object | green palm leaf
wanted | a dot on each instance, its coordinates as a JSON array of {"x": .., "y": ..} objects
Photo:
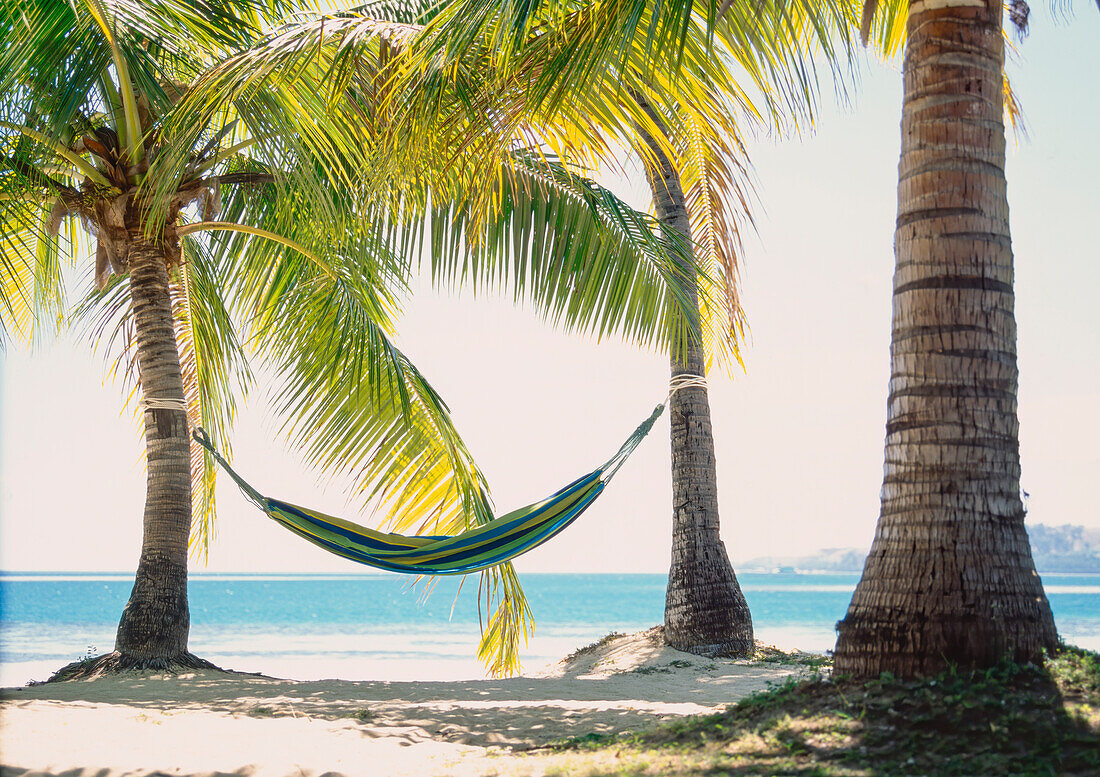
[{"x": 216, "y": 374}]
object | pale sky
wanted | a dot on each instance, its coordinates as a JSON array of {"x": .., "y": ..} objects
[{"x": 799, "y": 435}]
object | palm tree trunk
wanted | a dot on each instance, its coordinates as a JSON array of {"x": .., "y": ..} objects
[
  {"x": 154, "y": 626},
  {"x": 950, "y": 577},
  {"x": 153, "y": 630},
  {"x": 705, "y": 610}
]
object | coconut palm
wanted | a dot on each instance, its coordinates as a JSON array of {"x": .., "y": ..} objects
[
  {"x": 950, "y": 577},
  {"x": 744, "y": 71},
  {"x": 705, "y": 610},
  {"x": 685, "y": 118},
  {"x": 418, "y": 111},
  {"x": 228, "y": 208}
]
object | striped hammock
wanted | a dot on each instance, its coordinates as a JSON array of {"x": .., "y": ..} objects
[{"x": 487, "y": 545}]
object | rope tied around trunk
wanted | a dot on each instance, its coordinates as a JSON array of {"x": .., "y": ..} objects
[
  {"x": 687, "y": 380},
  {"x": 163, "y": 403}
]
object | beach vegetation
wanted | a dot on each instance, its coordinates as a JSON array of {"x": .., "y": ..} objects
[
  {"x": 1007, "y": 719},
  {"x": 1076, "y": 671},
  {"x": 666, "y": 668},
  {"x": 603, "y": 641},
  {"x": 734, "y": 74},
  {"x": 705, "y": 610},
  {"x": 770, "y": 654}
]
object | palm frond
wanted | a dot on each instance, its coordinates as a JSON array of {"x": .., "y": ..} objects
[
  {"x": 883, "y": 23},
  {"x": 19, "y": 314},
  {"x": 37, "y": 240},
  {"x": 216, "y": 375},
  {"x": 585, "y": 259},
  {"x": 351, "y": 401}
]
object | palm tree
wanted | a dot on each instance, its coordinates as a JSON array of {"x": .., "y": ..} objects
[
  {"x": 732, "y": 75},
  {"x": 705, "y": 610},
  {"x": 619, "y": 103},
  {"x": 688, "y": 116},
  {"x": 130, "y": 129},
  {"x": 950, "y": 577}
]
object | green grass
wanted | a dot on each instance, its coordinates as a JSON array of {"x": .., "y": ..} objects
[
  {"x": 1009, "y": 721},
  {"x": 1076, "y": 671}
]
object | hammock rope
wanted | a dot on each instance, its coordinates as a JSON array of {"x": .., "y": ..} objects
[{"x": 499, "y": 540}]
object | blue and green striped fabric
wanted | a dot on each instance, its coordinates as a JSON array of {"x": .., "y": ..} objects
[{"x": 481, "y": 547}]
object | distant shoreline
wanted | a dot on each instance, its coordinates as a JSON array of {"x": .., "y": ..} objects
[{"x": 1068, "y": 549}]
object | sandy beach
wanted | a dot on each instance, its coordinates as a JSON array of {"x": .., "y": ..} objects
[{"x": 209, "y": 723}]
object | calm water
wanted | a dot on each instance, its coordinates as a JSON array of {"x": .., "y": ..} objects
[{"x": 378, "y": 627}]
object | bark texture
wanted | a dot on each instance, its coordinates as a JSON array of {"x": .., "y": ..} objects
[
  {"x": 705, "y": 610},
  {"x": 950, "y": 577},
  {"x": 155, "y": 623}
]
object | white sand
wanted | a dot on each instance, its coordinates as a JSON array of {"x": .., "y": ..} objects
[{"x": 209, "y": 723}]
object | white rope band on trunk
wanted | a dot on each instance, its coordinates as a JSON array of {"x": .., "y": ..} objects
[
  {"x": 163, "y": 403},
  {"x": 685, "y": 381}
]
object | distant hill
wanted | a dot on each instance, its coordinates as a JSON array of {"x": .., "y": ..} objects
[
  {"x": 826, "y": 560},
  {"x": 1067, "y": 548}
]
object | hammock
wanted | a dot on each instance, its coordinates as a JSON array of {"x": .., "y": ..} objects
[{"x": 484, "y": 546}]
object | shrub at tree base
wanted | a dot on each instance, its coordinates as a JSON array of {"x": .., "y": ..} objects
[{"x": 1008, "y": 720}]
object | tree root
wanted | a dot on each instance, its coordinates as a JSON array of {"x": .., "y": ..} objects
[{"x": 115, "y": 662}]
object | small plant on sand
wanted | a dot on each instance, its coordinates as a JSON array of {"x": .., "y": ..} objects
[
  {"x": 770, "y": 654},
  {"x": 90, "y": 653},
  {"x": 677, "y": 663},
  {"x": 1076, "y": 671},
  {"x": 363, "y": 716},
  {"x": 582, "y": 651},
  {"x": 651, "y": 669},
  {"x": 262, "y": 712}
]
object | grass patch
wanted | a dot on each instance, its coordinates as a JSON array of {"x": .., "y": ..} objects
[
  {"x": 1076, "y": 671},
  {"x": 1009, "y": 720},
  {"x": 262, "y": 712}
]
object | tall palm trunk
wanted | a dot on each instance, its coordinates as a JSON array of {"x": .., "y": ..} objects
[
  {"x": 950, "y": 578},
  {"x": 155, "y": 623},
  {"x": 153, "y": 630},
  {"x": 705, "y": 610}
]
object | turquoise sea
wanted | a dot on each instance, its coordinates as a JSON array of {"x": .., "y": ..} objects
[{"x": 380, "y": 627}]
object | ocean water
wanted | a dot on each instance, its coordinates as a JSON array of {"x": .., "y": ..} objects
[{"x": 381, "y": 627}]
